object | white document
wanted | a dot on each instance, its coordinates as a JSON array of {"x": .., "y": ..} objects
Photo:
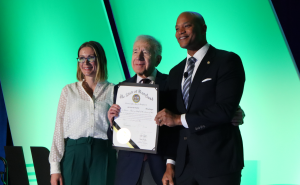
[{"x": 135, "y": 128}]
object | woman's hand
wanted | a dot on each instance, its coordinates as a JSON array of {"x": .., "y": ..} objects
[
  {"x": 113, "y": 112},
  {"x": 56, "y": 179}
]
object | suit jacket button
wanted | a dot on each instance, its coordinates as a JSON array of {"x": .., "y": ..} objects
[{"x": 184, "y": 138}]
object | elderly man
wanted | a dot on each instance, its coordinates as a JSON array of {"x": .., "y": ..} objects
[
  {"x": 204, "y": 90},
  {"x": 130, "y": 165}
]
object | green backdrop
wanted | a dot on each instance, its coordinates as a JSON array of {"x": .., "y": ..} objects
[
  {"x": 39, "y": 42},
  {"x": 271, "y": 95}
]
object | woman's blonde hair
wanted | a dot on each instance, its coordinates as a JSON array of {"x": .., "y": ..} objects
[{"x": 101, "y": 73}]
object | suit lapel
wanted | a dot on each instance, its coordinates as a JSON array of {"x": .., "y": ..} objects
[
  {"x": 203, "y": 67},
  {"x": 158, "y": 78},
  {"x": 178, "y": 80},
  {"x": 132, "y": 80}
]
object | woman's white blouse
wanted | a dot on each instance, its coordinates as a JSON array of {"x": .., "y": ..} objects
[{"x": 79, "y": 115}]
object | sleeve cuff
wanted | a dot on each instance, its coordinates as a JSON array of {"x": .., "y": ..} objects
[
  {"x": 54, "y": 167},
  {"x": 171, "y": 161},
  {"x": 183, "y": 121}
]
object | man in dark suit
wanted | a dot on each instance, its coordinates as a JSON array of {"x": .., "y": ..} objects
[
  {"x": 204, "y": 90},
  {"x": 130, "y": 165}
]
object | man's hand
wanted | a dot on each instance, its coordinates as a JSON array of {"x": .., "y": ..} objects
[
  {"x": 55, "y": 178},
  {"x": 166, "y": 117},
  {"x": 169, "y": 175},
  {"x": 113, "y": 111},
  {"x": 238, "y": 118}
]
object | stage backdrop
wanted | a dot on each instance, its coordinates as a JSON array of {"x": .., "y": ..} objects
[
  {"x": 271, "y": 95},
  {"x": 39, "y": 42}
]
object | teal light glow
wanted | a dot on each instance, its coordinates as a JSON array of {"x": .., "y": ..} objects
[
  {"x": 39, "y": 43},
  {"x": 271, "y": 95}
]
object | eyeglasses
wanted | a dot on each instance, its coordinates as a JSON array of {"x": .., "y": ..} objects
[{"x": 82, "y": 59}]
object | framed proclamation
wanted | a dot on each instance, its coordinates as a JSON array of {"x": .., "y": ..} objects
[{"x": 135, "y": 129}]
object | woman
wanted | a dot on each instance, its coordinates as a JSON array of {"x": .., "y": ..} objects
[{"x": 80, "y": 152}]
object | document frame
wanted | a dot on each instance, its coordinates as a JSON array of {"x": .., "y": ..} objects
[{"x": 131, "y": 144}]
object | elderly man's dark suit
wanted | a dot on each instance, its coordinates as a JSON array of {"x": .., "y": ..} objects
[
  {"x": 211, "y": 143},
  {"x": 129, "y": 164}
]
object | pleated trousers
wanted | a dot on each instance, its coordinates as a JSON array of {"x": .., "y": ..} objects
[{"x": 88, "y": 161}]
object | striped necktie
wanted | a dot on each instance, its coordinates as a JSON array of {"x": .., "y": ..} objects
[{"x": 188, "y": 80}]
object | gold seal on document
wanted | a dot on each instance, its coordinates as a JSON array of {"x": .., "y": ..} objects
[
  {"x": 123, "y": 135},
  {"x": 136, "y": 98}
]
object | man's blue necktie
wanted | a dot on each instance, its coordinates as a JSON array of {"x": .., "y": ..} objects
[{"x": 188, "y": 80}]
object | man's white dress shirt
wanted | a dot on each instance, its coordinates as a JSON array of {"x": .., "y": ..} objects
[
  {"x": 199, "y": 55},
  {"x": 152, "y": 77}
]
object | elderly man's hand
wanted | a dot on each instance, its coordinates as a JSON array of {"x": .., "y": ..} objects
[
  {"x": 166, "y": 117},
  {"x": 113, "y": 111},
  {"x": 169, "y": 175}
]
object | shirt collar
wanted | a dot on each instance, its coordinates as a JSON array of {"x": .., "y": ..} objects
[
  {"x": 200, "y": 53},
  {"x": 151, "y": 77},
  {"x": 99, "y": 83}
]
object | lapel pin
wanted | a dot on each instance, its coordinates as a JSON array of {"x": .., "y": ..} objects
[{"x": 208, "y": 62}]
